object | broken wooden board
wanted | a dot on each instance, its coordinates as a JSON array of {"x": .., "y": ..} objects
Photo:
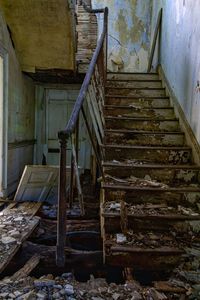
[
  {"x": 36, "y": 183},
  {"x": 17, "y": 222}
]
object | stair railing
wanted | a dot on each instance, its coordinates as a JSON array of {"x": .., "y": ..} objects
[
  {"x": 91, "y": 94},
  {"x": 155, "y": 38}
]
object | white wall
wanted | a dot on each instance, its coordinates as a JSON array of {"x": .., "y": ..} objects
[
  {"x": 19, "y": 101},
  {"x": 180, "y": 53}
]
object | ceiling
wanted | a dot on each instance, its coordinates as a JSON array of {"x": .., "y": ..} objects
[{"x": 42, "y": 33}]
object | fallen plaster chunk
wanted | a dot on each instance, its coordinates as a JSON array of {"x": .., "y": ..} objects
[{"x": 121, "y": 238}]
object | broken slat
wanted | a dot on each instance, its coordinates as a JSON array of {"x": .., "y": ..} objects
[
  {"x": 165, "y": 286},
  {"x": 161, "y": 250},
  {"x": 27, "y": 268}
]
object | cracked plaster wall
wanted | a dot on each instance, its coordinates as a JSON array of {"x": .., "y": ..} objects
[
  {"x": 180, "y": 53},
  {"x": 129, "y": 33}
]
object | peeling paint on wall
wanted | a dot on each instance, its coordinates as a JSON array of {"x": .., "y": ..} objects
[
  {"x": 129, "y": 33},
  {"x": 180, "y": 54}
]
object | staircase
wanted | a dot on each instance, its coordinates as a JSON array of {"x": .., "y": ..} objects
[{"x": 149, "y": 198}]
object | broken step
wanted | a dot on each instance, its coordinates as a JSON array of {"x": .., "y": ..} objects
[
  {"x": 143, "y": 124},
  {"x": 148, "y": 216},
  {"x": 147, "y": 154},
  {"x": 142, "y": 254},
  {"x": 131, "y": 111},
  {"x": 146, "y": 102},
  {"x": 137, "y": 92},
  {"x": 133, "y": 174},
  {"x": 132, "y": 76},
  {"x": 143, "y": 138},
  {"x": 134, "y": 83},
  {"x": 188, "y": 195}
]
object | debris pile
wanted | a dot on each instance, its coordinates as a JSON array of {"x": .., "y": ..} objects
[
  {"x": 132, "y": 180},
  {"x": 146, "y": 240},
  {"x": 149, "y": 209},
  {"x": 66, "y": 287}
]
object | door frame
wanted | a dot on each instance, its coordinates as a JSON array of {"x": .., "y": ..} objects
[{"x": 4, "y": 125}]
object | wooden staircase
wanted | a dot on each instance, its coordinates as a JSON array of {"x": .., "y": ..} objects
[{"x": 150, "y": 194}]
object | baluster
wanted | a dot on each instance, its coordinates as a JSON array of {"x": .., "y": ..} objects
[{"x": 61, "y": 214}]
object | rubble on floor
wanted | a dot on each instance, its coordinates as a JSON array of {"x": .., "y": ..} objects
[{"x": 66, "y": 287}]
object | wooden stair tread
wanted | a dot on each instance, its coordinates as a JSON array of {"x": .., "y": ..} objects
[
  {"x": 110, "y": 106},
  {"x": 179, "y": 189},
  {"x": 140, "y": 119},
  {"x": 136, "y": 88},
  {"x": 107, "y": 131},
  {"x": 150, "y": 166},
  {"x": 134, "y": 97},
  {"x": 146, "y": 147},
  {"x": 134, "y": 80}
]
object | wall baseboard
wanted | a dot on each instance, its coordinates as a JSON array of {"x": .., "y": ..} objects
[{"x": 184, "y": 124}]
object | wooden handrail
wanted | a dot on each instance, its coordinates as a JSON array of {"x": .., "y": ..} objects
[
  {"x": 157, "y": 30},
  {"x": 70, "y": 129}
]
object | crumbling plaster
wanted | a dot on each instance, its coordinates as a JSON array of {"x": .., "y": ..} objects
[
  {"x": 20, "y": 104},
  {"x": 180, "y": 53},
  {"x": 129, "y": 33}
]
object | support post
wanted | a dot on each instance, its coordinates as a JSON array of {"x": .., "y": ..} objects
[{"x": 61, "y": 214}]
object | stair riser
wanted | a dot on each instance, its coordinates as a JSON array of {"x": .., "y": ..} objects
[
  {"x": 164, "y": 156},
  {"x": 134, "y": 84},
  {"x": 150, "y": 125},
  {"x": 138, "y": 113},
  {"x": 167, "y": 176},
  {"x": 112, "y": 225},
  {"x": 145, "y": 139},
  {"x": 143, "y": 196},
  {"x": 138, "y": 102},
  {"x": 143, "y": 262},
  {"x": 121, "y": 76},
  {"x": 136, "y": 92}
]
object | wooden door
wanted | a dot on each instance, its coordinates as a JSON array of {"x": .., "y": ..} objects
[{"x": 59, "y": 105}]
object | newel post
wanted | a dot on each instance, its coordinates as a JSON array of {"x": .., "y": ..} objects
[{"x": 61, "y": 213}]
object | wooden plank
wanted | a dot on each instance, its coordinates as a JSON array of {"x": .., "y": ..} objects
[
  {"x": 165, "y": 286},
  {"x": 27, "y": 268}
]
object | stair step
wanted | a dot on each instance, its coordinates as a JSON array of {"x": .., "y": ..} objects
[
  {"x": 137, "y": 92},
  {"x": 144, "y": 124},
  {"x": 157, "y": 217},
  {"x": 147, "y": 102},
  {"x": 130, "y": 111},
  {"x": 151, "y": 257},
  {"x": 138, "y": 195},
  {"x": 131, "y": 137},
  {"x": 134, "y": 83},
  {"x": 162, "y": 174},
  {"x": 132, "y": 76},
  {"x": 148, "y": 154}
]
